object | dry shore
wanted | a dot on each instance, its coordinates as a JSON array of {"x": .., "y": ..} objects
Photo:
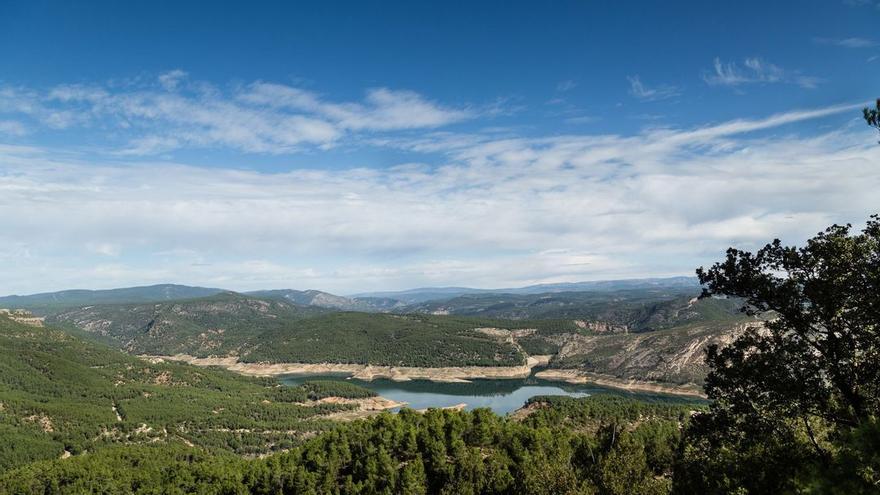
[
  {"x": 457, "y": 374},
  {"x": 365, "y": 407},
  {"x": 580, "y": 377},
  {"x": 461, "y": 374}
]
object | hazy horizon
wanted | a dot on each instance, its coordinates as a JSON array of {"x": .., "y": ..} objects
[{"x": 349, "y": 294}]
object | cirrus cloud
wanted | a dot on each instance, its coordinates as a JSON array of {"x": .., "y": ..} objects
[
  {"x": 755, "y": 71},
  {"x": 174, "y": 112}
]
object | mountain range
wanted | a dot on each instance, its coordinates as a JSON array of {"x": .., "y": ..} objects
[
  {"x": 44, "y": 303},
  {"x": 647, "y": 329},
  {"x": 411, "y": 296}
]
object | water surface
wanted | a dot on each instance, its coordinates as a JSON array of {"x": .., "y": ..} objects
[{"x": 502, "y": 396}]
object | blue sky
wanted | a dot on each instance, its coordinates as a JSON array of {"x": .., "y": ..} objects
[{"x": 351, "y": 146}]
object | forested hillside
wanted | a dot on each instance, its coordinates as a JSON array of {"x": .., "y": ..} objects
[
  {"x": 218, "y": 324},
  {"x": 605, "y": 444},
  {"x": 326, "y": 300},
  {"x": 634, "y": 335},
  {"x": 273, "y": 330},
  {"x": 109, "y": 413},
  {"x": 60, "y": 395},
  {"x": 624, "y": 310},
  {"x": 50, "y": 302}
]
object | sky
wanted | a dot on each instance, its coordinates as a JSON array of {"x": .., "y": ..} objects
[{"x": 362, "y": 146}]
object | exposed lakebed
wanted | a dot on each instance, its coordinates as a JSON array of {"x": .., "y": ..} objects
[{"x": 502, "y": 396}]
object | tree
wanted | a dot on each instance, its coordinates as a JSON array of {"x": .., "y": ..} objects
[
  {"x": 797, "y": 391},
  {"x": 872, "y": 116}
]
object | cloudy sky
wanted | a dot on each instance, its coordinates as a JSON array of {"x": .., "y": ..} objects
[{"x": 348, "y": 147}]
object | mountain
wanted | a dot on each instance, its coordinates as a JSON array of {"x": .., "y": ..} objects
[
  {"x": 330, "y": 301},
  {"x": 219, "y": 324},
  {"x": 644, "y": 335},
  {"x": 687, "y": 283},
  {"x": 674, "y": 355},
  {"x": 53, "y": 301},
  {"x": 420, "y": 295},
  {"x": 48, "y": 302},
  {"x": 635, "y": 309},
  {"x": 412, "y": 296},
  {"x": 150, "y": 426},
  {"x": 277, "y": 330}
]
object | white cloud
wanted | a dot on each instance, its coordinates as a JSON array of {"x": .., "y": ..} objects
[
  {"x": 500, "y": 211},
  {"x": 385, "y": 109},
  {"x": 29, "y": 103},
  {"x": 256, "y": 118},
  {"x": 754, "y": 71},
  {"x": 644, "y": 93},
  {"x": 171, "y": 80}
]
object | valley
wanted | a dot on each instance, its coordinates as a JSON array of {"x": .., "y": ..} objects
[
  {"x": 79, "y": 384},
  {"x": 258, "y": 374},
  {"x": 61, "y": 395},
  {"x": 635, "y": 335},
  {"x": 501, "y": 396}
]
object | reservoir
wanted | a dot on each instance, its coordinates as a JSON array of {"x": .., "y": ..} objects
[{"x": 502, "y": 396}]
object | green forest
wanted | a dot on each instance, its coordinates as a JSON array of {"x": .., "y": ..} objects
[
  {"x": 60, "y": 394},
  {"x": 273, "y": 330},
  {"x": 599, "y": 448}
]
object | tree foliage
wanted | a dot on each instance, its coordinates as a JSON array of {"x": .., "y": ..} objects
[
  {"x": 872, "y": 116},
  {"x": 438, "y": 452},
  {"x": 795, "y": 401}
]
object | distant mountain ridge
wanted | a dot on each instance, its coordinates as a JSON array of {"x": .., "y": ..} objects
[
  {"x": 420, "y": 295},
  {"x": 51, "y": 301},
  {"x": 637, "y": 309},
  {"x": 385, "y": 301},
  {"x": 627, "y": 335},
  {"x": 331, "y": 301},
  {"x": 278, "y": 330}
]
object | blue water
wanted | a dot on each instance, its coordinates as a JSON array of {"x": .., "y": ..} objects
[{"x": 502, "y": 396}]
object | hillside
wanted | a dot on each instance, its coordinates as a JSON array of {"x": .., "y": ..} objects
[
  {"x": 674, "y": 356},
  {"x": 156, "y": 427},
  {"x": 330, "y": 301},
  {"x": 273, "y": 330},
  {"x": 61, "y": 395},
  {"x": 630, "y": 335},
  {"x": 396, "y": 340},
  {"x": 632, "y": 310},
  {"x": 48, "y": 302},
  {"x": 425, "y": 294},
  {"x": 559, "y": 446},
  {"x": 220, "y": 324}
]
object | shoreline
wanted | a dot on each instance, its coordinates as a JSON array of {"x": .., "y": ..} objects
[
  {"x": 365, "y": 407},
  {"x": 456, "y": 374},
  {"x": 576, "y": 377},
  {"x": 366, "y": 372}
]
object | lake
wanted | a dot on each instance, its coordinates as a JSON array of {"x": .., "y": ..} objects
[{"x": 502, "y": 396}]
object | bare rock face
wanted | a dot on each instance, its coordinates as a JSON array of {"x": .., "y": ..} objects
[
  {"x": 602, "y": 327},
  {"x": 22, "y": 316},
  {"x": 673, "y": 356}
]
